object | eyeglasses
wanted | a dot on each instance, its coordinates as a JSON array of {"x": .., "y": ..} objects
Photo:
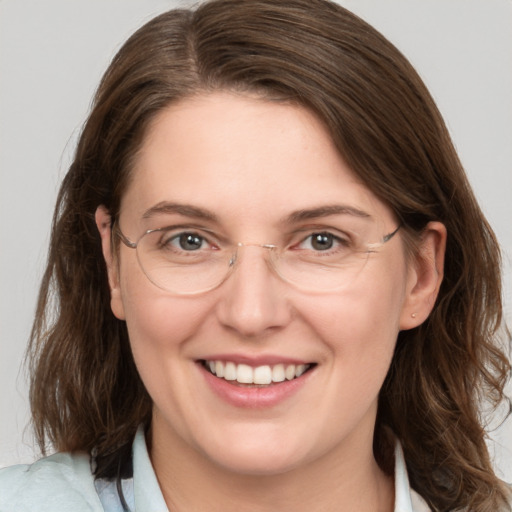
[{"x": 184, "y": 261}]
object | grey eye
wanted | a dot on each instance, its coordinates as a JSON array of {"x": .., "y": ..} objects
[
  {"x": 322, "y": 241},
  {"x": 189, "y": 241}
]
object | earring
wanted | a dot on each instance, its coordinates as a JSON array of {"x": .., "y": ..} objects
[{"x": 413, "y": 315}]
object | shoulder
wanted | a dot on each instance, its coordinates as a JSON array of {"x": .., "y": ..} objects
[{"x": 60, "y": 482}]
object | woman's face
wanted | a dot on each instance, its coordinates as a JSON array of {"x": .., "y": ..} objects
[{"x": 244, "y": 169}]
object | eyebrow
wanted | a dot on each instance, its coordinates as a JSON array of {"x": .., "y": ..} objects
[
  {"x": 325, "y": 211},
  {"x": 188, "y": 210}
]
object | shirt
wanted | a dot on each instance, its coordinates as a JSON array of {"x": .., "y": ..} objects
[{"x": 64, "y": 482}]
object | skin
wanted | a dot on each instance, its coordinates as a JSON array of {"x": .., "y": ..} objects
[{"x": 251, "y": 163}]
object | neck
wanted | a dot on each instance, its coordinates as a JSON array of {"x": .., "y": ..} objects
[{"x": 340, "y": 481}]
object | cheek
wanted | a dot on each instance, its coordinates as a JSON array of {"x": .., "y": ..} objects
[
  {"x": 360, "y": 328},
  {"x": 160, "y": 329},
  {"x": 158, "y": 321},
  {"x": 371, "y": 311},
  {"x": 158, "y": 324},
  {"x": 357, "y": 332}
]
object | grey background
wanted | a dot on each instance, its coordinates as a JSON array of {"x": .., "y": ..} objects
[{"x": 52, "y": 55}]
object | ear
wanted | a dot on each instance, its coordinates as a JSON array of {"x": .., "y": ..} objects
[
  {"x": 425, "y": 276},
  {"x": 104, "y": 225}
]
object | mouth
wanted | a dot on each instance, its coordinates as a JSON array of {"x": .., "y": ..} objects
[{"x": 259, "y": 376}]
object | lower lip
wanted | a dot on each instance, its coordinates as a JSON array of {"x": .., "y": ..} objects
[{"x": 253, "y": 397}]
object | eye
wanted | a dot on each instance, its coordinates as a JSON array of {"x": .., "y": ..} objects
[
  {"x": 322, "y": 241},
  {"x": 186, "y": 242}
]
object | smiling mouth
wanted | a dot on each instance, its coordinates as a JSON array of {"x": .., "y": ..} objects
[{"x": 257, "y": 376}]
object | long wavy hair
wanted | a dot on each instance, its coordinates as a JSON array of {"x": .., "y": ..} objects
[{"x": 86, "y": 393}]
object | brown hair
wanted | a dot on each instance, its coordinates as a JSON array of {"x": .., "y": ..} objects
[{"x": 86, "y": 393}]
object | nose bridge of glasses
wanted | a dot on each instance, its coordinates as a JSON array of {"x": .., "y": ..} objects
[
  {"x": 251, "y": 244},
  {"x": 235, "y": 256}
]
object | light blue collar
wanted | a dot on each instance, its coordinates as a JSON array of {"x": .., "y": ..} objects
[{"x": 146, "y": 491}]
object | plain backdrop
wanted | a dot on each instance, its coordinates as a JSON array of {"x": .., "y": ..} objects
[{"x": 52, "y": 55}]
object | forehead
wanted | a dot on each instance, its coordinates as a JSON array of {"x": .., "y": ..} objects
[{"x": 242, "y": 158}]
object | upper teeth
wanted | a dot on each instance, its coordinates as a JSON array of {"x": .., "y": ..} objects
[{"x": 245, "y": 374}]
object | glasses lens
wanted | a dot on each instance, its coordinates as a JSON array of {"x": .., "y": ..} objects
[
  {"x": 181, "y": 263},
  {"x": 330, "y": 260}
]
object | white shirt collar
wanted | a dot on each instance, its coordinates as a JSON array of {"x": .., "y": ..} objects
[{"x": 406, "y": 499}]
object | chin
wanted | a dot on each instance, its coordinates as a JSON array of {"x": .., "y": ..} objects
[
  {"x": 258, "y": 452},
  {"x": 256, "y": 463}
]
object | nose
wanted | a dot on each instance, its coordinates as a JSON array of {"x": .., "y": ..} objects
[{"x": 254, "y": 300}]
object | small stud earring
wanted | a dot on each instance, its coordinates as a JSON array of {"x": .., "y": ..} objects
[{"x": 413, "y": 315}]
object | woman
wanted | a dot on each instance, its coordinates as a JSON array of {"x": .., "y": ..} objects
[{"x": 260, "y": 263}]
